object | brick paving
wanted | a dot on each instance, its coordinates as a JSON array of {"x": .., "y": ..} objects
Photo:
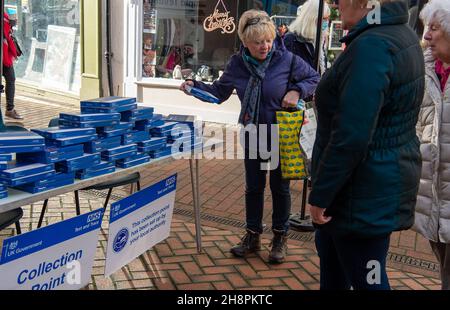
[{"x": 175, "y": 263}]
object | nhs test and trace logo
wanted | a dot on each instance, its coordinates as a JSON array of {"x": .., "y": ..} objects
[{"x": 121, "y": 239}]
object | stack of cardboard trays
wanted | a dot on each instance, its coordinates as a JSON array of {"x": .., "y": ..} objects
[
  {"x": 13, "y": 173},
  {"x": 3, "y": 191},
  {"x": 189, "y": 135},
  {"x": 64, "y": 146},
  {"x": 6, "y": 162},
  {"x": 125, "y": 135},
  {"x": 110, "y": 132},
  {"x": 164, "y": 132}
]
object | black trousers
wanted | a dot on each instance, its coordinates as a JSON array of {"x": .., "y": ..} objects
[
  {"x": 255, "y": 181},
  {"x": 10, "y": 87},
  {"x": 347, "y": 262}
]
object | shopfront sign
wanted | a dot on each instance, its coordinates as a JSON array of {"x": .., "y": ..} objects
[
  {"x": 138, "y": 222},
  {"x": 56, "y": 257},
  {"x": 220, "y": 20}
]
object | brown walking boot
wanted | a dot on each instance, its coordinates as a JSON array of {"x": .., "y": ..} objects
[
  {"x": 13, "y": 114},
  {"x": 250, "y": 243},
  {"x": 279, "y": 247}
]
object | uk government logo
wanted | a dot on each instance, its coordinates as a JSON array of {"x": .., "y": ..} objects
[{"x": 120, "y": 241}]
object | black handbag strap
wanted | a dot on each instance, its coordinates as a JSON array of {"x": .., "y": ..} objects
[
  {"x": 291, "y": 71},
  {"x": 291, "y": 79}
]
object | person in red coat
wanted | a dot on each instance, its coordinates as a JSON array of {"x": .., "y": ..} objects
[{"x": 9, "y": 55}]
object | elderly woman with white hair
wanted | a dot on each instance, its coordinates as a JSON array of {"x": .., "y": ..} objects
[
  {"x": 432, "y": 218},
  {"x": 301, "y": 38}
]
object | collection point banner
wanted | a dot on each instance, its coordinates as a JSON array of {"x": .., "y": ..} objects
[
  {"x": 138, "y": 222},
  {"x": 55, "y": 257}
]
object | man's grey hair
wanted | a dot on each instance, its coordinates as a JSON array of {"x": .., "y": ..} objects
[{"x": 437, "y": 11}]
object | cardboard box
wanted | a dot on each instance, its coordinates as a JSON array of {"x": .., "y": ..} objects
[
  {"x": 118, "y": 109},
  {"x": 96, "y": 117},
  {"x": 22, "y": 148},
  {"x": 27, "y": 179},
  {"x": 61, "y": 132},
  {"x": 20, "y": 138},
  {"x": 92, "y": 174},
  {"x": 71, "y": 140},
  {"x": 4, "y": 165},
  {"x": 91, "y": 124},
  {"x": 3, "y": 195},
  {"x": 118, "y": 156},
  {"x": 135, "y": 137},
  {"x": 133, "y": 158},
  {"x": 52, "y": 154},
  {"x": 120, "y": 149},
  {"x": 133, "y": 163},
  {"x": 20, "y": 170},
  {"x": 6, "y": 157},
  {"x": 121, "y": 125},
  {"x": 108, "y": 102},
  {"x": 34, "y": 189},
  {"x": 83, "y": 162}
]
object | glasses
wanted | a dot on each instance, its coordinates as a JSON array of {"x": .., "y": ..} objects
[{"x": 253, "y": 21}]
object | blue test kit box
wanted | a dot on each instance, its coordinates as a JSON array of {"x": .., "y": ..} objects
[
  {"x": 90, "y": 117},
  {"x": 20, "y": 138},
  {"x": 107, "y": 102},
  {"x": 60, "y": 132}
]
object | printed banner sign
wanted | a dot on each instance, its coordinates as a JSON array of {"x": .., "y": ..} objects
[
  {"x": 138, "y": 222},
  {"x": 56, "y": 257},
  {"x": 308, "y": 133}
]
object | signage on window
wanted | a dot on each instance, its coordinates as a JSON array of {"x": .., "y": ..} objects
[{"x": 220, "y": 20}]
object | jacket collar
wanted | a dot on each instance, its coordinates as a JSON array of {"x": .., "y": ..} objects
[
  {"x": 429, "y": 66},
  {"x": 301, "y": 39},
  {"x": 392, "y": 13}
]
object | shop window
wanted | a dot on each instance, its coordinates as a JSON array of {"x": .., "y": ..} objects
[
  {"x": 48, "y": 32},
  {"x": 177, "y": 42},
  {"x": 284, "y": 7},
  {"x": 174, "y": 41}
]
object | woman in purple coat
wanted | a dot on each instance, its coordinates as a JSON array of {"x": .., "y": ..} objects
[{"x": 267, "y": 78}]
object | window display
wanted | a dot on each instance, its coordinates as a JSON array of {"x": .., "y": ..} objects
[
  {"x": 41, "y": 25},
  {"x": 175, "y": 44}
]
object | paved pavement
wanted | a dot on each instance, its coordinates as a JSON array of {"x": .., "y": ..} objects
[{"x": 175, "y": 263}]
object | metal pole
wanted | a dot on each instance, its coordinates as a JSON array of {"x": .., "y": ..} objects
[
  {"x": 301, "y": 221},
  {"x": 198, "y": 236},
  {"x": 108, "y": 52},
  {"x": 318, "y": 46}
]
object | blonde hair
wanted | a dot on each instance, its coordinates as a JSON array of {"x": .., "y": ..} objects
[
  {"x": 305, "y": 24},
  {"x": 439, "y": 12},
  {"x": 255, "y": 24}
]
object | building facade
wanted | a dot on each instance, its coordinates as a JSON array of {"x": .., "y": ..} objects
[{"x": 156, "y": 44}]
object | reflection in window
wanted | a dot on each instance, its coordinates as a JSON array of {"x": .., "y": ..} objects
[
  {"x": 34, "y": 17},
  {"x": 175, "y": 44}
]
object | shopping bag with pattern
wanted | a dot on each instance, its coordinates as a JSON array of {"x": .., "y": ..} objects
[{"x": 292, "y": 158}]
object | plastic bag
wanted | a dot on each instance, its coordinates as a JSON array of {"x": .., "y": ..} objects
[{"x": 292, "y": 158}]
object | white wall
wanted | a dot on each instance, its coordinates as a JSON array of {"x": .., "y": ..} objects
[{"x": 173, "y": 101}]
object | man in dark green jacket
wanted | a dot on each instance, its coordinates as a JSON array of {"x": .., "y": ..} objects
[{"x": 366, "y": 162}]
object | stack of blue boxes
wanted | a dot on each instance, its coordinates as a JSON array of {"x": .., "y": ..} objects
[
  {"x": 126, "y": 136},
  {"x": 14, "y": 174},
  {"x": 110, "y": 132},
  {"x": 64, "y": 149},
  {"x": 189, "y": 134}
]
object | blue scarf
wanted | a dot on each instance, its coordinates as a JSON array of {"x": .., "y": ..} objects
[{"x": 252, "y": 97}]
